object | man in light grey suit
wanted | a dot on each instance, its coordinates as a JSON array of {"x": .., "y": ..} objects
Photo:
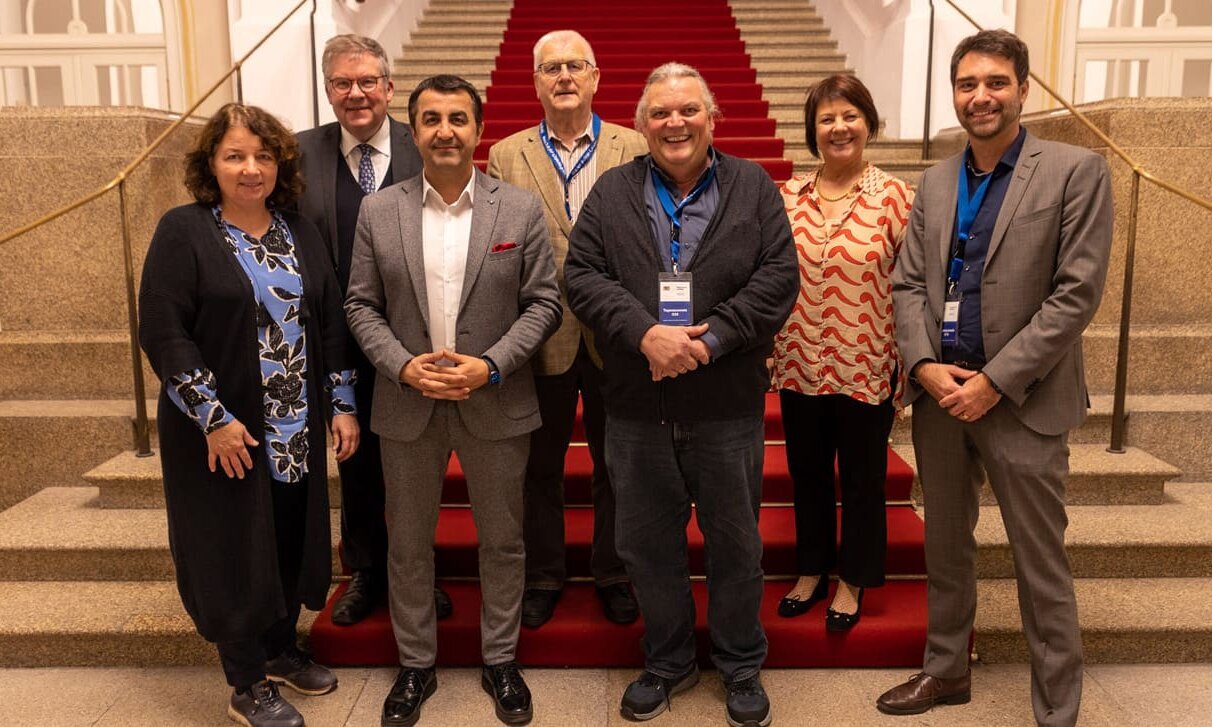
[
  {"x": 1002, "y": 270},
  {"x": 451, "y": 293}
]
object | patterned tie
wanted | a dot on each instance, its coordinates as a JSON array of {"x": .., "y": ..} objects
[{"x": 366, "y": 170}]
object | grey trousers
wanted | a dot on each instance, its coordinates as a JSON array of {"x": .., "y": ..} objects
[
  {"x": 1027, "y": 471},
  {"x": 413, "y": 472}
]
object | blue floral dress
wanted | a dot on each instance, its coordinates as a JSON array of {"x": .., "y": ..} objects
[{"x": 272, "y": 269}]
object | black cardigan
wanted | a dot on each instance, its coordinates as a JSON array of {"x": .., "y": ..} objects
[
  {"x": 197, "y": 310},
  {"x": 745, "y": 281}
]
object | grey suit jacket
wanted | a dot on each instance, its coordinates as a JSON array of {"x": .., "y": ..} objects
[
  {"x": 509, "y": 306},
  {"x": 320, "y": 149},
  {"x": 521, "y": 159},
  {"x": 1042, "y": 283}
]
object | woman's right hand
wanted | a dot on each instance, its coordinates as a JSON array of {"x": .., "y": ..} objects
[{"x": 228, "y": 445}]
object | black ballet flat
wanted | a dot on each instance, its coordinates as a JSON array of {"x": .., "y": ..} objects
[
  {"x": 792, "y": 607},
  {"x": 836, "y": 621}
]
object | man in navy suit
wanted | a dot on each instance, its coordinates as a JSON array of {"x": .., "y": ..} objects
[{"x": 364, "y": 150}]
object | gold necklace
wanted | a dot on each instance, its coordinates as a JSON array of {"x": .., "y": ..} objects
[{"x": 846, "y": 195}]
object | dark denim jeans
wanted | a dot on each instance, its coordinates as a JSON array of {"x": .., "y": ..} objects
[{"x": 657, "y": 470}]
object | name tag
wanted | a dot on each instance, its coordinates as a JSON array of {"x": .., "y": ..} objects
[
  {"x": 675, "y": 299},
  {"x": 950, "y": 329}
]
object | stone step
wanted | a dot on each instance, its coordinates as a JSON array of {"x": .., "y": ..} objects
[
  {"x": 68, "y": 365},
  {"x": 127, "y": 481},
  {"x": 1162, "y": 358},
  {"x": 1096, "y": 476},
  {"x": 456, "y": 58},
  {"x": 46, "y": 443},
  {"x": 61, "y": 534},
  {"x": 1123, "y": 620},
  {"x": 1171, "y": 540}
]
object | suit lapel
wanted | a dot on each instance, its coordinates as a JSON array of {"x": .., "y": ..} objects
[
  {"x": 1028, "y": 160},
  {"x": 546, "y": 179},
  {"x": 331, "y": 159},
  {"x": 947, "y": 231},
  {"x": 483, "y": 219},
  {"x": 412, "y": 233},
  {"x": 399, "y": 152}
]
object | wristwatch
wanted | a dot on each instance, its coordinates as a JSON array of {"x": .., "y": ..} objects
[{"x": 494, "y": 374}]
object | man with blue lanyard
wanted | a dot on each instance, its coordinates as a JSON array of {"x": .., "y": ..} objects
[
  {"x": 682, "y": 263},
  {"x": 1002, "y": 270},
  {"x": 559, "y": 160}
]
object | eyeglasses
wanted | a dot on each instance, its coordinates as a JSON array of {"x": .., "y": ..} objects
[
  {"x": 575, "y": 67},
  {"x": 345, "y": 85}
]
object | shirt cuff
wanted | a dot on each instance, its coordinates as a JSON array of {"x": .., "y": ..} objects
[
  {"x": 341, "y": 391},
  {"x": 195, "y": 393}
]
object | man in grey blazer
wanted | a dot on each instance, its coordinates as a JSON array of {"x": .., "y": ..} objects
[
  {"x": 364, "y": 150},
  {"x": 1002, "y": 270},
  {"x": 452, "y": 291},
  {"x": 565, "y": 80}
]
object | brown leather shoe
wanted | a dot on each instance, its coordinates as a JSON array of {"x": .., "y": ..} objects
[{"x": 923, "y": 691}]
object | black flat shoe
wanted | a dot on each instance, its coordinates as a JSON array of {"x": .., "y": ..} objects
[
  {"x": 836, "y": 621},
  {"x": 792, "y": 607},
  {"x": 537, "y": 606},
  {"x": 442, "y": 605},
  {"x": 618, "y": 603},
  {"x": 364, "y": 593}
]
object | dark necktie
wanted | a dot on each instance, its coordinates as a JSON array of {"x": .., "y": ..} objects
[{"x": 366, "y": 170}]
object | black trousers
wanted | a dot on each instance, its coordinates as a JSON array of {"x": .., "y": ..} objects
[
  {"x": 543, "y": 498},
  {"x": 363, "y": 526},
  {"x": 820, "y": 429},
  {"x": 244, "y": 661}
]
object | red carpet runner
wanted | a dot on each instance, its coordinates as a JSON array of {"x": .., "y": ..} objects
[{"x": 702, "y": 33}]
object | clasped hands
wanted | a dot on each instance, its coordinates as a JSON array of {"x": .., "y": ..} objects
[
  {"x": 441, "y": 381},
  {"x": 966, "y": 395},
  {"x": 674, "y": 350}
]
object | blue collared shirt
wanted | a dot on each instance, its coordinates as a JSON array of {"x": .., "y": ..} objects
[
  {"x": 970, "y": 348},
  {"x": 695, "y": 219}
]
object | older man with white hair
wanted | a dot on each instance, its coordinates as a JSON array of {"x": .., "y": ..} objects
[{"x": 559, "y": 160}]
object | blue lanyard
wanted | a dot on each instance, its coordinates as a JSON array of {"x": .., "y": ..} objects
[
  {"x": 674, "y": 212},
  {"x": 965, "y": 214},
  {"x": 565, "y": 176}
]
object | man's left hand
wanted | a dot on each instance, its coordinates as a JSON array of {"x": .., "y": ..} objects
[
  {"x": 472, "y": 369},
  {"x": 972, "y": 400}
]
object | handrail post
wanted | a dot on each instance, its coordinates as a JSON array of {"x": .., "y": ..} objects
[
  {"x": 1118, "y": 415},
  {"x": 929, "y": 79},
  {"x": 239, "y": 85},
  {"x": 142, "y": 430}
]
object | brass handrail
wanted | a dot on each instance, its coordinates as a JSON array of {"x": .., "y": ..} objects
[
  {"x": 142, "y": 433},
  {"x": 1118, "y": 414}
]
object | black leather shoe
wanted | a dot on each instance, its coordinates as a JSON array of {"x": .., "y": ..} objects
[
  {"x": 618, "y": 603},
  {"x": 365, "y": 590},
  {"x": 402, "y": 708},
  {"x": 792, "y": 607},
  {"x": 836, "y": 621},
  {"x": 442, "y": 605},
  {"x": 537, "y": 606},
  {"x": 261, "y": 706},
  {"x": 508, "y": 690}
]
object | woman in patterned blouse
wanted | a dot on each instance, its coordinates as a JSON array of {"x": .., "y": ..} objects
[
  {"x": 241, "y": 318},
  {"x": 836, "y": 365}
]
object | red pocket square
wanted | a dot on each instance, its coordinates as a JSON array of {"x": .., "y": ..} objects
[{"x": 503, "y": 246}]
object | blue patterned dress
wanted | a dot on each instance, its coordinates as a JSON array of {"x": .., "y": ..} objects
[{"x": 273, "y": 271}]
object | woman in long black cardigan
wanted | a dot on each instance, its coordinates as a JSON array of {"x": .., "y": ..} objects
[{"x": 249, "y": 548}]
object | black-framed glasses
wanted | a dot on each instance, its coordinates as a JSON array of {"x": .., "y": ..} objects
[
  {"x": 576, "y": 67},
  {"x": 345, "y": 85}
]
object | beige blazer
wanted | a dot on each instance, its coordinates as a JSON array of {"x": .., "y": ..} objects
[
  {"x": 1042, "y": 283},
  {"x": 521, "y": 160},
  {"x": 509, "y": 306}
]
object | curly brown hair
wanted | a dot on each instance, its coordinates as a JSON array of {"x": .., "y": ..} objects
[{"x": 200, "y": 180}]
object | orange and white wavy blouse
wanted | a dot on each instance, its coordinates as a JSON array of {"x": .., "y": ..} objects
[{"x": 841, "y": 335}]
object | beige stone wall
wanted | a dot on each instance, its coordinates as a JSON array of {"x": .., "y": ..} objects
[{"x": 68, "y": 275}]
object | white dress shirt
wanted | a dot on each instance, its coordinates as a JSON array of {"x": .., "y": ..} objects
[
  {"x": 445, "y": 235},
  {"x": 380, "y": 157}
]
